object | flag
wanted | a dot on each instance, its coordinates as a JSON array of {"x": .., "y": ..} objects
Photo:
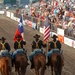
[
  {"x": 46, "y": 31},
  {"x": 20, "y": 29}
]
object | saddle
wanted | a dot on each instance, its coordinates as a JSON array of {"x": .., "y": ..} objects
[
  {"x": 38, "y": 51},
  {"x": 4, "y": 53},
  {"x": 18, "y": 51},
  {"x": 56, "y": 51},
  {"x": 53, "y": 51}
]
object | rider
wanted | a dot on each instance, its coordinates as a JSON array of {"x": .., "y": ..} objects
[
  {"x": 4, "y": 45},
  {"x": 19, "y": 45},
  {"x": 54, "y": 46},
  {"x": 36, "y": 45}
]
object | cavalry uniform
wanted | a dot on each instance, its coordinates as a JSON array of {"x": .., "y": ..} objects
[
  {"x": 38, "y": 44},
  {"x": 4, "y": 45},
  {"x": 36, "y": 48},
  {"x": 54, "y": 47},
  {"x": 19, "y": 44}
]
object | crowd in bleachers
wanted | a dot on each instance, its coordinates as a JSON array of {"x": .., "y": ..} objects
[{"x": 61, "y": 14}]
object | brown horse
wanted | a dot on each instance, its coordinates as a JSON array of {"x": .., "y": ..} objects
[
  {"x": 20, "y": 64},
  {"x": 5, "y": 65},
  {"x": 39, "y": 62},
  {"x": 57, "y": 63}
]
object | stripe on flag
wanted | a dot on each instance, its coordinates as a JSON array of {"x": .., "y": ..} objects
[{"x": 46, "y": 32}]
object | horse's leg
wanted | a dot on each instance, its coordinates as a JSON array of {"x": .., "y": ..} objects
[
  {"x": 19, "y": 71},
  {"x": 43, "y": 71},
  {"x": 36, "y": 71},
  {"x": 16, "y": 71},
  {"x": 59, "y": 72},
  {"x": 51, "y": 69},
  {"x": 55, "y": 70},
  {"x": 23, "y": 70}
]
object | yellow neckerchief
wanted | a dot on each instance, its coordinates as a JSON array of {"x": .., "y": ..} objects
[
  {"x": 3, "y": 47},
  {"x": 19, "y": 45},
  {"x": 37, "y": 46},
  {"x": 54, "y": 44}
]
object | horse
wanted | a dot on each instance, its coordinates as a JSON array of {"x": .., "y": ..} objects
[
  {"x": 20, "y": 64},
  {"x": 56, "y": 63},
  {"x": 39, "y": 62},
  {"x": 5, "y": 65}
]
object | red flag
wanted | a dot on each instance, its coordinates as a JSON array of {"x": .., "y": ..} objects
[{"x": 17, "y": 33}]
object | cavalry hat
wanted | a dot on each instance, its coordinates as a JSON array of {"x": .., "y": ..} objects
[
  {"x": 36, "y": 36},
  {"x": 54, "y": 36},
  {"x": 18, "y": 36},
  {"x": 3, "y": 38}
]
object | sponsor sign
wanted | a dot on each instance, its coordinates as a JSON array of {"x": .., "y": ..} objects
[
  {"x": 60, "y": 31},
  {"x": 41, "y": 30},
  {"x": 1, "y": 12},
  {"x": 61, "y": 38},
  {"x": 8, "y": 14},
  {"x": 69, "y": 42}
]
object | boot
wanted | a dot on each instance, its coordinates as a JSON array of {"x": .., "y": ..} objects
[
  {"x": 48, "y": 63},
  {"x": 12, "y": 62}
]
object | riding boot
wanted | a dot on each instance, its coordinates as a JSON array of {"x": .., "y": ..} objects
[
  {"x": 48, "y": 63},
  {"x": 12, "y": 62},
  {"x": 26, "y": 58}
]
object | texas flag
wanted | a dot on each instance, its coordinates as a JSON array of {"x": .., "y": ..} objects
[{"x": 20, "y": 29}]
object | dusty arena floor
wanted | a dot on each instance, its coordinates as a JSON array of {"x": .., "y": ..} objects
[{"x": 7, "y": 29}]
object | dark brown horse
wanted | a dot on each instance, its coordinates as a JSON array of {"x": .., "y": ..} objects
[
  {"x": 5, "y": 65},
  {"x": 20, "y": 64},
  {"x": 57, "y": 63},
  {"x": 39, "y": 62}
]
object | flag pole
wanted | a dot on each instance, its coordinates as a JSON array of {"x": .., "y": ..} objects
[{"x": 23, "y": 29}]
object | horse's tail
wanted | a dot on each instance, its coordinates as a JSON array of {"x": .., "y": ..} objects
[
  {"x": 23, "y": 64},
  {"x": 59, "y": 63}
]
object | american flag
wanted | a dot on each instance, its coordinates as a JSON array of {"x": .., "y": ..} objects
[{"x": 46, "y": 30}]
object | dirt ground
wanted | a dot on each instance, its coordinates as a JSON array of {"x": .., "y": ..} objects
[{"x": 7, "y": 29}]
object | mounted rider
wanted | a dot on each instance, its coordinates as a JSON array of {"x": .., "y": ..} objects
[
  {"x": 18, "y": 46},
  {"x": 54, "y": 47},
  {"x": 37, "y": 45}
]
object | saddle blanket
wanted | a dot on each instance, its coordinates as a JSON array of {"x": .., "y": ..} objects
[
  {"x": 53, "y": 51},
  {"x": 18, "y": 51},
  {"x": 5, "y": 53},
  {"x": 36, "y": 51}
]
